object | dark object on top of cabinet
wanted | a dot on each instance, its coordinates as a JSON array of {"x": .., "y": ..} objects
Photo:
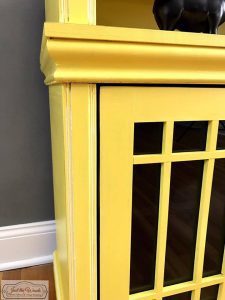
[{"x": 190, "y": 15}]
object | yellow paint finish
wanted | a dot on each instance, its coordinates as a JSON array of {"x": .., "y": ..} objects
[
  {"x": 82, "y": 133},
  {"x": 82, "y": 11},
  {"x": 56, "y": 11},
  {"x": 212, "y": 280},
  {"x": 73, "y": 127},
  {"x": 78, "y": 11},
  {"x": 126, "y": 13},
  {"x": 52, "y": 10},
  {"x": 58, "y": 277},
  {"x": 57, "y": 96},
  {"x": 71, "y": 11},
  {"x": 115, "y": 197},
  {"x": 120, "y": 108},
  {"x": 83, "y": 32},
  {"x": 129, "y": 13},
  {"x": 82, "y": 53},
  {"x": 221, "y": 295},
  {"x": 176, "y": 157},
  {"x": 204, "y": 206},
  {"x": 163, "y": 208},
  {"x": 179, "y": 289},
  {"x": 180, "y": 103},
  {"x": 119, "y": 13},
  {"x": 162, "y": 227}
]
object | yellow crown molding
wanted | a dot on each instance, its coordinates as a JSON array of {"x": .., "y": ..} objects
[{"x": 98, "y": 54}]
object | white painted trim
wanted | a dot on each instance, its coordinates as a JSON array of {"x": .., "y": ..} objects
[
  {"x": 27, "y": 245},
  {"x": 26, "y": 263}
]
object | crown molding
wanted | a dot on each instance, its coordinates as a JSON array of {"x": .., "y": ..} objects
[{"x": 99, "y": 54}]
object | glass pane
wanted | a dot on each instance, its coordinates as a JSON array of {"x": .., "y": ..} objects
[
  {"x": 190, "y": 136},
  {"x": 221, "y": 136},
  {"x": 184, "y": 296},
  {"x": 209, "y": 293},
  {"x": 185, "y": 193},
  {"x": 146, "y": 187},
  {"x": 216, "y": 225},
  {"x": 148, "y": 138}
]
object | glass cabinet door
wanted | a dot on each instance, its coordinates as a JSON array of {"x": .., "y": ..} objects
[{"x": 162, "y": 193}]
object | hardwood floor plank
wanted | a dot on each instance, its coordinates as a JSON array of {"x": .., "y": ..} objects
[
  {"x": 42, "y": 272},
  {"x": 12, "y": 275}
]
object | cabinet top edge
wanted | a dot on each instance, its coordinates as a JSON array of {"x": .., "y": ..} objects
[{"x": 132, "y": 35}]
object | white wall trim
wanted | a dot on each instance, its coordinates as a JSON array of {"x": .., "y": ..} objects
[{"x": 27, "y": 245}]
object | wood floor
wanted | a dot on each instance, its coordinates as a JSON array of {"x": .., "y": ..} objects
[{"x": 43, "y": 272}]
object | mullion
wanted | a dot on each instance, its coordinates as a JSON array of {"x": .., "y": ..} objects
[
  {"x": 178, "y": 157},
  {"x": 179, "y": 288},
  {"x": 204, "y": 207},
  {"x": 163, "y": 208},
  {"x": 209, "y": 157}
]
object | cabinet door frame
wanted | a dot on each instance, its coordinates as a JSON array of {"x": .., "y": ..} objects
[{"x": 120, "y": 108}]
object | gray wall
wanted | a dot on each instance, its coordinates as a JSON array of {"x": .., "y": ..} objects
[{"x": 25, "y": 151}]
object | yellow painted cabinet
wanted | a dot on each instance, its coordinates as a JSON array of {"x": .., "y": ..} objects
[
  {"x": 137, "y": 121},
  {"x": 160, "y": 162}
]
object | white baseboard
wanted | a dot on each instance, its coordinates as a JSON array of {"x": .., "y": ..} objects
[{"x": 27, "y": 245}]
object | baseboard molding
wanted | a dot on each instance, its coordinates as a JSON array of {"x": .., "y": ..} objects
[{"x": 27, "y": 245}]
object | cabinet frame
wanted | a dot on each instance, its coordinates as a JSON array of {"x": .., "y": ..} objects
[
  {"x": 75, "y": 56},
  {"x": 120, "y": 108}
]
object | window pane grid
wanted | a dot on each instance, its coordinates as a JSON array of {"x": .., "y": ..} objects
[
  {"x": 180, "y": 288},
  {"x": 176, "y": 157},
  {"x": 166, "y": 159}
]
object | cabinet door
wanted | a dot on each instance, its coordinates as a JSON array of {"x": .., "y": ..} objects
[{"x": 162, "y": 163}]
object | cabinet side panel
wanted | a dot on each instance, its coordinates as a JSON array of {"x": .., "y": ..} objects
[
  {"x": 56, "y": 10},
  {"x": 84, "y": 170},
  {"x": 57, "y": 95}
]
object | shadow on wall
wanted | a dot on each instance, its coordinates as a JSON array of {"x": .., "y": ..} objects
[{"x": 26, "y": 193}]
